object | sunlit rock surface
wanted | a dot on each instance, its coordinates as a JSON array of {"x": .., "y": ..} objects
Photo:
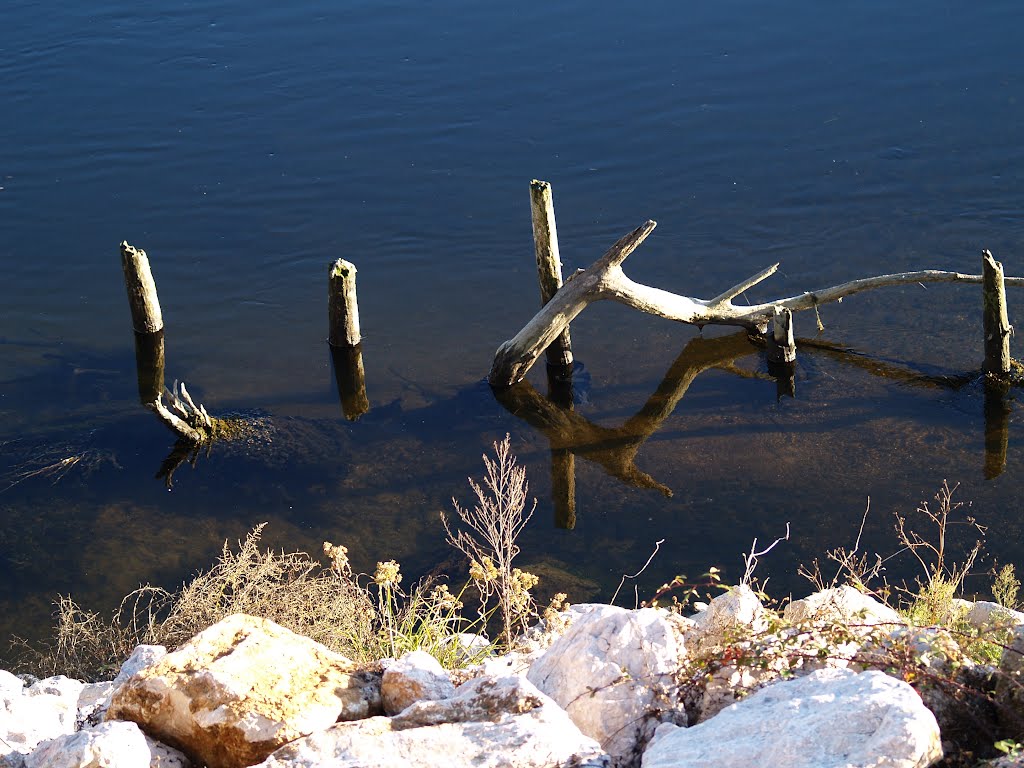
[
  {"x": 240, "y": 689},
  {"x": 417, "y": 676},
  {"x": 844, "y": 604}
]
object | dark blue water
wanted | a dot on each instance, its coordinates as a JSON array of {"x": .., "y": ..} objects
[{"x": 246, "y": 145}]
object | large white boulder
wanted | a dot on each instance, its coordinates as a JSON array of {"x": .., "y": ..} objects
[
  {"x": 417, "y": 676},
  {"x": 832, "y": 718},
  {"x": 240, "y": 689},
  {"x": 613, "y": 672},
  {"x": 489, "y": 723}
]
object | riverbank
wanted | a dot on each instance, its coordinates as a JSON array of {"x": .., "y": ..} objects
[{"x": 838, "y": 678}]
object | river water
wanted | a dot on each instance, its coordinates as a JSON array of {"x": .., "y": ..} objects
[{"x": 245, "y": 146}]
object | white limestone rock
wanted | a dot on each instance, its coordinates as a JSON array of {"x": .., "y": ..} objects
[
  {"x": 613, "y": 671},
  {"x": 737, "y": 608},
  {"x": 110, "y": 745},
  {"x": 488, "y": 723},
  {"x": 242, "y": 688},
  {"x": 143, "y": 656},
  {"x": 92, "y": 704},
  {"x": 844, "y": 604},
  {"x": 417, "y": 676},
  {"x": 984, "y": 614},
  {"x": 10, "y": 683},
  {"x": 534, "y": 642},
  {"x": 832, "y": 718},
  {"x": 45, "y": 710}
]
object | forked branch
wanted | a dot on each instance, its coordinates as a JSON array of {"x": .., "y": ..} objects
[{"x": 606, "y": 280}]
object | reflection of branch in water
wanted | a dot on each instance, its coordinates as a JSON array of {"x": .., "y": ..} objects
[
  {"x": 885, "y": 368},
  {"x": 615, "y": 448},
  {"x": 182, "y": 452}
]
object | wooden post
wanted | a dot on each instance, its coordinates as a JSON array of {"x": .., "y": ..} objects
[
  {"x": 351, "y": 380},
  {"x": 142, "y": 298},
  {"x": 781, "y": 344},
  {"x": 549, "y": 264},
  {"x": 149, "y": 366},
  {"x": 996, "y": 323},
  {"x": 343, "y": 309}
]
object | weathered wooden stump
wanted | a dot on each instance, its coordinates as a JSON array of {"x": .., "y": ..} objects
[
  {"x": 142, "y": 298},
  {"x": 343, "y": 308},
  {"x": 149, "y": 366},
  {"x": 996, "y": 322},
  {"x": 549, "y": 265}
]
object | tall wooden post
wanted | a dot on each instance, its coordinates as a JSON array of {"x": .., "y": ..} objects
[
  {"x": 343, "y": 309},
  {"x": 149, "y": 366},
  {"x": 996, "y": 323},
  {"x": 142, "y": 298},
  {"x": 345, "y": 339},
  {"x": 549, "y": 265}
]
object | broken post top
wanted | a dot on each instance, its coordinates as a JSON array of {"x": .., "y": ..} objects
[
  {"x": 343, "y": 307},
  {"x": 142, "y": 297},
  {"x": 342, "y": 268}
]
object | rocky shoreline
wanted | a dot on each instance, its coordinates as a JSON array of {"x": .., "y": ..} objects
[{"x": 838, "y": 680}]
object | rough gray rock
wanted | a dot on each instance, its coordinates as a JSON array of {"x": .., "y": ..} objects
[
  {"x": 613, "y": 672},
  {"x": 45, "y": 710},
  {"x": 844, "y": 604},
  {"x": 737, "y": 608},
  {"x": 110, "y": 745},
  {"x": 832, "y": 718},
  {"x": 489, "y": 723},
  {"x": 417, "y": 676}
]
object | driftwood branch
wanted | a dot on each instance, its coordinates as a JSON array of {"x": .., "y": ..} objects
[{"x": 606, "y": 280}]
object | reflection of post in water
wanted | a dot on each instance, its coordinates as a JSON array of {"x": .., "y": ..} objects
[
  {"x": 785, "y": 379},
  {"x": 997, "y": 426},
  {"x": 563, "y": 460},
  {"x": 149, "y": 365},
  {"x": 351, "y": 380}
]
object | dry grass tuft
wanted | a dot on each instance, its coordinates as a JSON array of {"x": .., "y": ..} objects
[{"x": 291, "y": 589}]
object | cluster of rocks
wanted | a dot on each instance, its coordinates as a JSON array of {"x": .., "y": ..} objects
[{"x": 603, "y": 688}]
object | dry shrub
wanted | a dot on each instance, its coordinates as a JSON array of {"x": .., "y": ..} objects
[
  {"x": 488, "y": 538},
  {"x": 291, "y": 589}
]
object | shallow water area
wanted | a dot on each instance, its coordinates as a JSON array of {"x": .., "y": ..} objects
[{"x": 247, "y": 146}]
